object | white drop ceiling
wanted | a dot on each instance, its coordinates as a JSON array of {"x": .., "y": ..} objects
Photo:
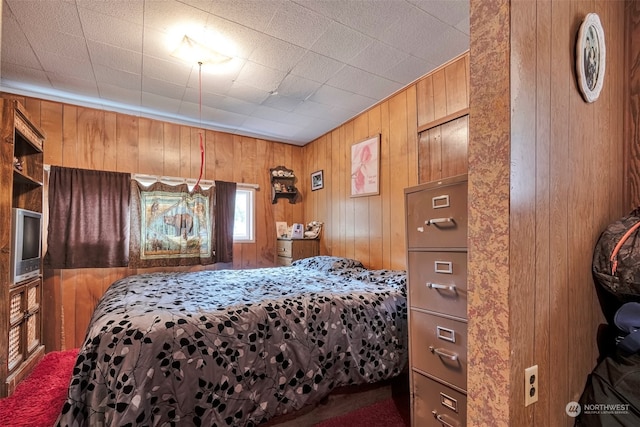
[{"x": 299, "y": 68}]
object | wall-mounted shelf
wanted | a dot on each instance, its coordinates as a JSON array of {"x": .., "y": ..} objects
[{"x": 283, "y": 184}]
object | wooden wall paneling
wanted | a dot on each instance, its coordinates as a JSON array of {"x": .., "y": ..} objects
[
  {"x": 375, "y": 202},
  {"x": 412, "y": 135},
  {"x": 632, "y": 151},
  {"x": 439, "y": 94},
  {"x": 385, "y": 184},
  {"x": 223, "y": 155},
  {"x": 332, "y": 229},
  {"x": 51, "y": 116},
  {"x": 70, "y": 137},
  {"x": 68, "y": 302},
  {"x": 171, "y": 150},
  {"x": 52, "y": 326},
  {"x": 127, "y": 152},
  {"x": 398, "y": 170},
  {"x": 33, "y": 107},
  {"x": 197, "y": 137},
  {"x": 324, "y": 196},
  {"x": 543, "y": 227},
  {"x": 349, "y": 206},
  {"x": 430, "y": 159},
  {"x": 90, "y": 144},
  {"x": 561, "y": 84},
  {"x": 254, "y": 175},
  {"x": 109, "y": 141},
  {"x": 185, "y": 141},
  {"x": 425, "y": 100},
  {"x": 264, "y": 222},
  {"x": 454, "y": 143},
  {"x": 621, "y": 87},
  {"x": 522, "y": 208},
  {"x": 581, "y": 135},
  {"x": 151, "y": 147},
  {"x": 456, "y": 85},
  {"x": 361, "y": 204}
]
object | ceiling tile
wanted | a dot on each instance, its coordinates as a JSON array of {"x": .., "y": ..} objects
[
  {"x": 48, "y": 16},
  {"x": 317, "y": 67},
  {"x": 259, "y": 76},
  {"x": 129, "y": 10},
  {"x": 120, "y": 96},
  {"x": 378, "y": 57},
  {"x": 110, "y": 30},
  {"x": 297, "y": 87},
  {"x": 297, "y": 25},
  {"x": 254, "y": 14},
  {"x": 277, "y": 54},
  {"x": 362, "y": 82},
  {"x": 451, "y": 12},
  {"x": 350, "y": 42},
  {"x": 176, "y": 73},
  {"x": 107, "y": 75},
  {"x": 115, "y": 57}
]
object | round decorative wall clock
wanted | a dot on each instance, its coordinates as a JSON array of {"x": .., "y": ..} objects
[{"x": 591, "y": 54}]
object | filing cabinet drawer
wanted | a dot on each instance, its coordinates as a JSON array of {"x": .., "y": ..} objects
[
  {"x": 438, "y": 282},
  {"x": 439, "y": 347},
  {"x": 435, "y": 404},
  {"x": 437, "y": 217}
]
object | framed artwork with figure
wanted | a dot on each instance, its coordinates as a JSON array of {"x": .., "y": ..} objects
[
  {"x": 365, "y": 167},
  {"x": 591, "y": 54}
]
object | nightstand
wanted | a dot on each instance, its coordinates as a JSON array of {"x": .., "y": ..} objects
[{"x": 289, "y": 250}]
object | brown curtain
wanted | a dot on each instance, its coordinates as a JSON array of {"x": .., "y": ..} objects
[
  {"x": 225, "y": 214},
  {"x": 171, "y": 226},
  {"x": 88, "y": 219}
]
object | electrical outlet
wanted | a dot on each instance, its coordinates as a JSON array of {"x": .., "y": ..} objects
[{"x": 530, "y": 385}]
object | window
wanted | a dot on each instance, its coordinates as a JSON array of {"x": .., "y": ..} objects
[{"x": 243, "y": 225}]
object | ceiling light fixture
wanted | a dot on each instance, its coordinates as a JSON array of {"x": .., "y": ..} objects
[{"x": 194, "y": 52}]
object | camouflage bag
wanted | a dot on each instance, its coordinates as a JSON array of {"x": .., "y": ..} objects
[{"x": 616, "y": 263}]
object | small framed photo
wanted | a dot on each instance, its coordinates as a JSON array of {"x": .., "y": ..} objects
[
  {"x": 282, "y": 230},
  {"x": 365, "y": 167},
  {"x": 591, "y": 54},
  {"x": 317, "y": 180}
]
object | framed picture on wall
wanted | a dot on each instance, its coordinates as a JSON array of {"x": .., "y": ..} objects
[
  {"x": 591, "y": 54},
  {"x": 317, "y": 180},
  {"x": 365, "y": 167}
]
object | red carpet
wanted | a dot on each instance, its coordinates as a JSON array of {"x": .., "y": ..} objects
[
  {"x": 38, "y": 399},
  {"x": 387, "y": 413}
]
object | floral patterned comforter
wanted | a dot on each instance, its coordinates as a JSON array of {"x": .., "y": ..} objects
[{"x": 235, "y": 347}]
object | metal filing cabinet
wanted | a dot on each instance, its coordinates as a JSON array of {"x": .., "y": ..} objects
[{"x": 437, "y": 281}]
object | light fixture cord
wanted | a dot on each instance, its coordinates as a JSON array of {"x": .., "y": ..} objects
[{"x": 200, "y": 119}]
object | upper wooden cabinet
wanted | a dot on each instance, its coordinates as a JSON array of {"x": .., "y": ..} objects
[{"x": 444, "y": 94}]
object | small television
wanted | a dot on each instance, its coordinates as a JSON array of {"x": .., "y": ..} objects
[{"x": 26, "y": 244}]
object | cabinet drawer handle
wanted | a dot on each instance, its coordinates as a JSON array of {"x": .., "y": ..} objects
[
  {"x": 451, "y": 288},
  {"x": 436, "y": 221},
  {"x": 421, "y": 229},
  {"x": 444, "y": 353},
  {"x": 441, "y": 420}
]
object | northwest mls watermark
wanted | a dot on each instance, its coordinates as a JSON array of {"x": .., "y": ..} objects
[{"x": 573, "y": 409}]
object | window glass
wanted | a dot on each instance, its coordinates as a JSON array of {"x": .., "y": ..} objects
[{"x": 243, "y": 226}]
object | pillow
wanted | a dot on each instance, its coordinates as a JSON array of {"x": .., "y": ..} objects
[{"x": 327, "y": 263}]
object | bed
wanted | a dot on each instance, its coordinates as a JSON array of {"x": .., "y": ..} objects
[{"x": 236, "y": 347}]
